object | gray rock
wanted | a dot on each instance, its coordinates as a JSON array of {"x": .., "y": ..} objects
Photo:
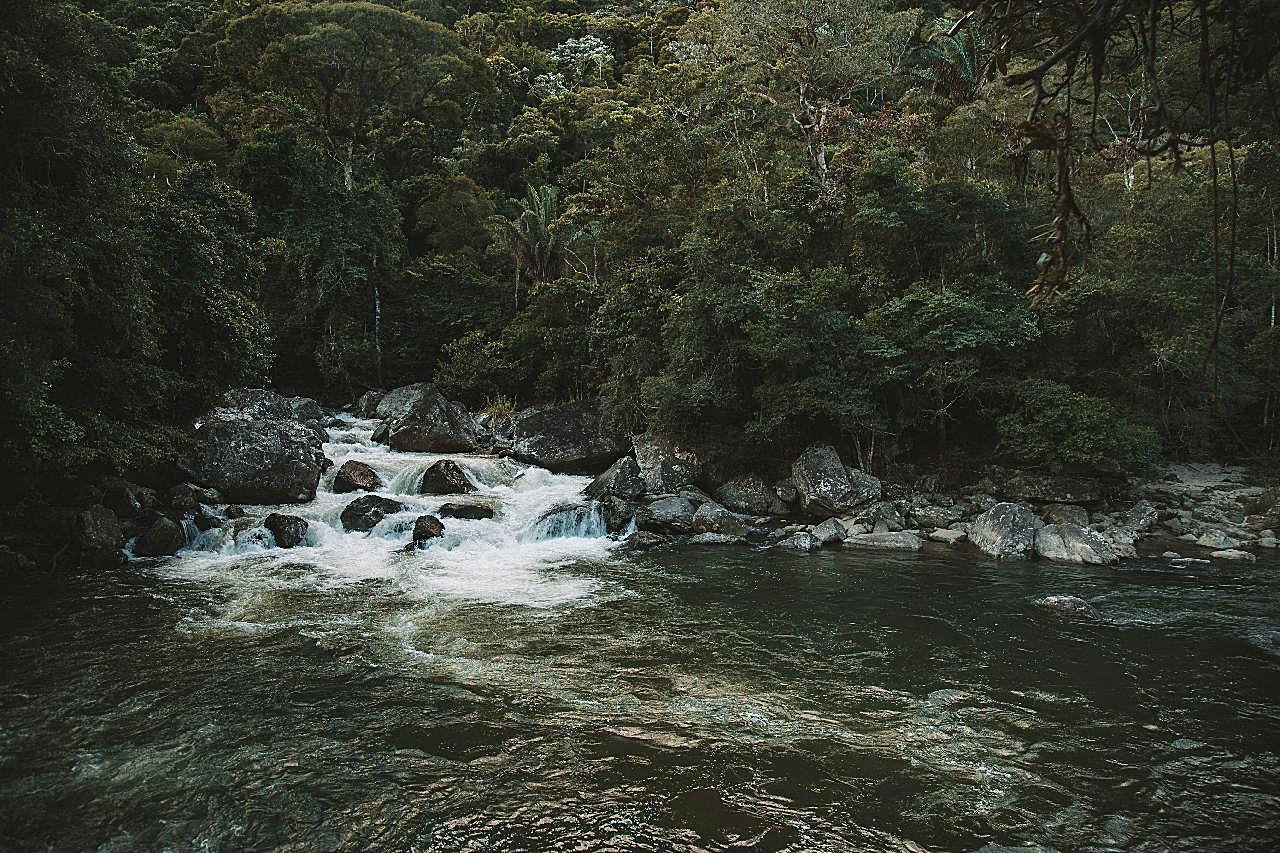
[
  {"x": 162, "y": 539},
  {"x": 1233, "y": 554},
  {"x": 666, "y": 515},
  {"x": 831, "y": 532},
  {"x": 356, "y": 476},
  {"x": 752, "y": 495},
  {"x": 1071, "y": 543},
  {"x": 1268, "y": 542},
  {"x": 1069, "y": 607},
  {"x": 259, "y": 453},
  {"x": 367, "y": 403},
  {"x": 716, "y": 539},
  {"x": 1015, "y": 485},
  {"x": 1171, "y": 555},
  {"x": 96, "y": 533},
  {"x": 289, "y": 530},
  {"x": 570, "y": 437},
  {"x": 899, "y": 541},
  {"x": 364, "y": 513},
  {"x": 711, "y": 517},
  {"x": 805, "y": 543},
  {"x": 1217, "y": 539},
  {"x": 420, "y": 420},
  {"x": 663, "y": 466},
  {"x": 786, "y": 491},
  {"x": 617, "y": 513},
  {"x": 1065, "y": 514},
  {"x": 471, "y": 511},
  {"x": 1006, "y": 531},
  {"x": 826, "y": 487},
  {"x": 445, "y": 477},
  {"x": 645, "y": 540},
  {"x": 622, "y": 480},
  {"x": 304, "y": 408},
  {"x": 930, "y": 514},
  {"x": 947, "y": 536},
  {"x": 425, "y": 528}
]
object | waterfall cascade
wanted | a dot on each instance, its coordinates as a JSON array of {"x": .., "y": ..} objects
[{"x": 539, "y": 521}]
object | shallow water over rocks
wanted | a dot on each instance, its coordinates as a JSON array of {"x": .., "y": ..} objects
[{"x": 517, "y": 688}]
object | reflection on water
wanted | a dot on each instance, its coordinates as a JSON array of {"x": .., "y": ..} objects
[
  {"x": 713, "y": 699},
  {"x": 525, "y": 687}
]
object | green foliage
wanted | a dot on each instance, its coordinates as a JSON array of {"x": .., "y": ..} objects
[{"x": 1062, "y": 429}]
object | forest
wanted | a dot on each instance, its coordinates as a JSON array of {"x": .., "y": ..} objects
[{"x": 930, "y": 234}]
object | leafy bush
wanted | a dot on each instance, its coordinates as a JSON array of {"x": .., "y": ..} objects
[{"x": 1055, "y": 426}]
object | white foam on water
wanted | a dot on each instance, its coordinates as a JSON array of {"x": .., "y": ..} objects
[{"x": 510, "y": 559}]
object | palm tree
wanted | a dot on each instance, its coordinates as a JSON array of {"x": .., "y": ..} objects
[
  {"x": 950, "y": 59},
  {"x": 533, "y": 239}
]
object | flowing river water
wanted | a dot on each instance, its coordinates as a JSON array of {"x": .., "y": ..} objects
[{"x": 525, "y": 686}]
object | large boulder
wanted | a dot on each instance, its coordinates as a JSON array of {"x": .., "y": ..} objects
[
  {"x": 253, "y": 449},
  {"x": 356, "y": 476},
  {"x": 665, "y": 467},
  {"x": 570, "y": 437},
  {"x": 364, "y": 513},
  {"x": 289, "y": 530},
  {"x": 826, "y": 487},
  {"x": 420, "y": 420},
  {"x": 621, "y": 480},
  {"x": 752, "y": 495},
  {"x": 445, "y": 477},
  {"x": 1006, "y": 531},
  {"x": 162, "y": 539},
  {"x": 666, "y": 515},
  {"x": 1071, "y": 543},
  {"x": 96, "y": 533}
]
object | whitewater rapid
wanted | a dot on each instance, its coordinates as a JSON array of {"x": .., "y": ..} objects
[{"x": 516, "y": 557}]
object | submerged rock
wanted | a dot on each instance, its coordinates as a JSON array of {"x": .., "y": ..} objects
[
  {"x": 621, "y": 480},
  {"x": 364, "y": 513},
  {"x": 356, "y": 476},
  {"x": 826, "y": 487},
  {"x": 162, "y": 539},
  {"x": 471, "y": 511},
  {"x": 1071, "y": 543},
  {"x": 289, "y": 530},
  {"x": 571, "y": 437},
  {"x": 1069, "y": 607},
  {"x": 644, "y": 540},
  {"x": 1006, "y": 531},
  {"x": 887, "y": 541},
  {"x": 255, "y": 450},
  {"x": 445, "y": 477}
]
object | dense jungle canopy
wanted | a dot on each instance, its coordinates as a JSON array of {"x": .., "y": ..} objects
[{"x": 1043, "y": 232}]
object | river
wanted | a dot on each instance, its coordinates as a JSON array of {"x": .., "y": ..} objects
[{"x": 518, "y": 686}]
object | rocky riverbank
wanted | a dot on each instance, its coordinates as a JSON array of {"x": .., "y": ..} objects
[{"x": 258, "y": 447}]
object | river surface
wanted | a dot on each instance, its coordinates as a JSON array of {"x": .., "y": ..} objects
[{"x": 524, "y": 686}]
